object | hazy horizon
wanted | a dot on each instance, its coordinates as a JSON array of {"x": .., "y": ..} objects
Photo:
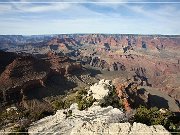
[{"x": 89, "y": 34}]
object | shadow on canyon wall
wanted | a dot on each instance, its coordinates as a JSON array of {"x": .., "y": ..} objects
[
  {"x": 54, "y": 86},
  {"x": 157, "y": 101}
]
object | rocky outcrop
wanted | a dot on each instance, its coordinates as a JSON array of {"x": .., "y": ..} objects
[
  {"x": 141, "y": 77},
  {"x": 131, "y": 96},
  {"x": 95, "y": 120},
  {"x": 137, "y": 97},
  {"x": 120, "y": 90}
]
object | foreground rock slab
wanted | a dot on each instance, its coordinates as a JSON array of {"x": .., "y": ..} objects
[{"x": 94, "y": 121}]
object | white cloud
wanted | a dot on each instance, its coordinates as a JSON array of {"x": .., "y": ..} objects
[
  {"x": 162, "y": 12},
  {"x": 87, "y": 25},
  {"x": 41, "y": 8},
  {"x": 110, "y": 3},
  {"x": 78, "y": 18},
  {"x": 5, "y": 8},
  {"x": 13, "y": 7}
]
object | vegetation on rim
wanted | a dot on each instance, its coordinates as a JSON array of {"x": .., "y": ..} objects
[{"x": 153, "y": 116}]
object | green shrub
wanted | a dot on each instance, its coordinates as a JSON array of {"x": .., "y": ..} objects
[
  {"x": 80, "y": 94},
  {"x": 84, "y": 103},
  {"x": 112, "y": 100},
  {"x": 58, "y": 104},
  {"x": 79, "y": 97},
  {"x": 153, "y": 116},
  {"x": 68, "y": 103}
]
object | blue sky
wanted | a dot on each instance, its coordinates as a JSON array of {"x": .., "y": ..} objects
[{"x": 95, "y": 16}]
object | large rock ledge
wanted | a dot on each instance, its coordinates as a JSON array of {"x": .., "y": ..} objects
[
  {"x": 93, "y": 121},
  {"x": 118, "y": 129}
]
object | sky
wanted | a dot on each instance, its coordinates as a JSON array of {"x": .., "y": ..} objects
[{"x": 37, "y": 17}]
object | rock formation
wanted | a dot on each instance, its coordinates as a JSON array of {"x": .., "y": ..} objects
[
  {"x": 103, "y": 64},
  {"x": 120, "y": 90},
  {"x": 95, "y": 120}
]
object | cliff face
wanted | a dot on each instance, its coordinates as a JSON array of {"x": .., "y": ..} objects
[
  {"x": 22, "y": 74},
  {"x": 103, "y": 64},
  {"x": 62, "y": 64},
  {"x": 5, "y": 59},
  {"x": 62, "y": 44}
]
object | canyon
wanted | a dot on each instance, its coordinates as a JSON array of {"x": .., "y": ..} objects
[
  {"x": 151, "y": 60},
  {"x": 37, "y": 70}
]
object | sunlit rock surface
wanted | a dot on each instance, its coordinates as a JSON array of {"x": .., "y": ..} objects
[
  {"x": 94, "y": 121},
  {"x": 101, "y": 89}
]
